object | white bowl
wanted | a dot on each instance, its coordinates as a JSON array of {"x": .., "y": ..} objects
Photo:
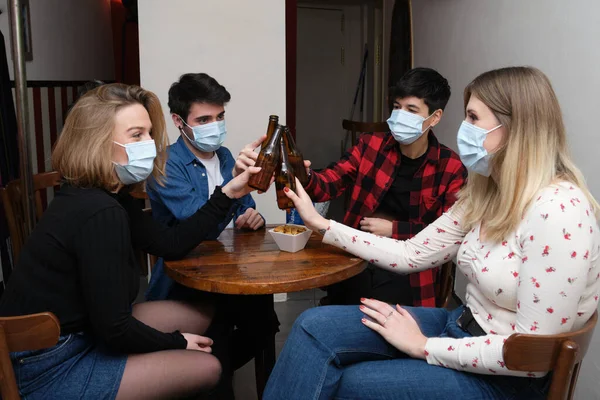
[{"x": 291, "y": 243}]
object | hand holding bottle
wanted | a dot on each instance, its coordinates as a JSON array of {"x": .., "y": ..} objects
[
  {"x": 303, "y": 203},
  {"x": 247, "y": 156},
  {"x": 238, "y": 186}
]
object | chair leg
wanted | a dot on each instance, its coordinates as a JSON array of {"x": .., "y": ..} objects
[
  {"x": 263, "y": 365},
  {"x": 573, "y": 382},
  {"x": 563, "y": 371},
  {"x": 8, "y": 383}
]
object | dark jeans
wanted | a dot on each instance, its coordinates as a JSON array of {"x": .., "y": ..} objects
[
  {"x": 242, "y": 326},
  {"x": 374, "y": 283}
]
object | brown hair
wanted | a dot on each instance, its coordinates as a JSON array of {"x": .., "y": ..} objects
[
  {"x": 533, "y": 155},
  {"x": 83, "y": 153}
]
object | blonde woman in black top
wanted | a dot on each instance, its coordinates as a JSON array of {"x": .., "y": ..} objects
[{"x": 79, "y": 263}]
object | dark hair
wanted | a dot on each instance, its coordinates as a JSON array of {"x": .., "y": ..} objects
[
  {"x": 83, "y": 89},
  {"x": 423, "y": 83},
  {"x": 86, "y": 87},
  {"x": 195, "y": 88}
]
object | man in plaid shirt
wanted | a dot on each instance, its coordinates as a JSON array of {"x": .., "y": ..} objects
[{"x": 399, "y": 181}]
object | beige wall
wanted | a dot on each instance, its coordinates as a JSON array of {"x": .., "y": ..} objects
[
  {"x": 463, "y": 38},
  {"x": 71, "y": 40},
  {"x": 240, "y": 43}
]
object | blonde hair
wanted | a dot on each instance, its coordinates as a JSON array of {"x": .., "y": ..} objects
[
  {"x": 533, "y": 154},
  {"x": 83, "y": 152}
]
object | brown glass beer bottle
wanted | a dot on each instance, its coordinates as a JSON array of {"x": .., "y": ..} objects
[
  {"x": 268, "y": 160},
  {"x": 295, "y": 157},
  {"x": 285, "y": 178},
  {"x": 273, "y": 121}
]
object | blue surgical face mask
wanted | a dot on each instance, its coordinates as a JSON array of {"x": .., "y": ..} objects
[
  {"x": 207, "y": 137},
  {"x": 140, "y": 162},
  {"x": 406, "y": 127},
  {"x": 473, "y": 155}
]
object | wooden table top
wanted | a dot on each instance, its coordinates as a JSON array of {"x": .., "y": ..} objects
[{"x": 245, "y": 262}]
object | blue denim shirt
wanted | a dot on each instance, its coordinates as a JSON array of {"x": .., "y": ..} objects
[{"x": 185, "y": 191}]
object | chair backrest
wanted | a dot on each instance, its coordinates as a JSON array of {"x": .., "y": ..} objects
[
  {"x": 355, "y": 127},
  {"x": 360, "y": 126},
  {"x": 27, "y": 332},
  {"x": 445, "y": 285},
  {"x": 13, "y": 206},
  {"x": 562, "y": 354}
]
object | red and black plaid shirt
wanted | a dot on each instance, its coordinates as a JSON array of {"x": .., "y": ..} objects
[{"x": 369, "y": 168}]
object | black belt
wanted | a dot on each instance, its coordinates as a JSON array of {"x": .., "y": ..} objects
[{"x": 468, "y": 324}]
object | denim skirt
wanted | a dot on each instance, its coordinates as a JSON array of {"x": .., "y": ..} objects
[{"x": 76, "y": 368}]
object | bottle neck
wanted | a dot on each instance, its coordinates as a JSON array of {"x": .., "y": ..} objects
[{"x": 272, "y": 143}]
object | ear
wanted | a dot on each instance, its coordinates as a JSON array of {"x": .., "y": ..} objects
[
  {"x": 177, "y": 121},
  {"x": 436, "y": 117}
]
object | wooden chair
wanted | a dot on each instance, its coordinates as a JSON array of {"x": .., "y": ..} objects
[
  {"x": 444, "y": 288},
  {"x": 27, "y": 332},
  {"x": 562, "y": 354},
  {"x": 13, "y": 206},
  {"x": 355, "y": 127}
]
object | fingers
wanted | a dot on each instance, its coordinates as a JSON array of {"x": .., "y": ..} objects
[
  {"x": 373, "y": 325},
  {"x": 252, "y": 222},
  {"x": 244, "y": 176},
  {"x": 256, "y": 143},
  {"x": 365, "y": 224},
  {"x": 405, "y": 313},
  {"x": 253, "y": 170},
  {"x": 242, "y": 219},
  {"x": 379, "y": 306},
  {"x": 203, "y": 340},
  {"x": 375, "y": 315},
  {"x": 291, "y": 195},
  {"x": 301, "y": 192},
  {"x": 206, "y": 349},
  {"x": 246, "y": 158},
  {"x": 307, "y": 164},
  {"x": 258, "y": 224}
]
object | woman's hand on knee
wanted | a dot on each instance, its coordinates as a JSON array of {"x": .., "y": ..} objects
[
  {"x": 197, "y": 342},
  {"x": 396, "y": 325}
]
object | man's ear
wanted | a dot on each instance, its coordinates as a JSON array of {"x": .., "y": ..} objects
[
  {"x": 177, "y": 121},
  {"x": 436, "y": 117}
]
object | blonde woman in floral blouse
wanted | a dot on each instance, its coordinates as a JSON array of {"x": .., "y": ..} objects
[{"x": 524, "y": 232}]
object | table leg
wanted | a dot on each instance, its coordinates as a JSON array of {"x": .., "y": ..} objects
[
  {"x": 264, "y": 361},
  {"x": 263, "y": 365}
]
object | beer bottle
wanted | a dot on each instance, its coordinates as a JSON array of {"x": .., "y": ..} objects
[
  {"x": 273, "y": 121},
  {"x": 295, "y": 157},
  {"x": 268, "y": 160},
  {"x": 285, "y": 178}
]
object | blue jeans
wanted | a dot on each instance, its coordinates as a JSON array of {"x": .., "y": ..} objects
[{"x": 331, "y": 354}]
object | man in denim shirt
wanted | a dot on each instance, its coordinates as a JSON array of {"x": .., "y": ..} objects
[{"x": 196, "y": 164}]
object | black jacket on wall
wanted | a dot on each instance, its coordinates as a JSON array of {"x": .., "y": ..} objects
[{"x": 9, "y": 154}]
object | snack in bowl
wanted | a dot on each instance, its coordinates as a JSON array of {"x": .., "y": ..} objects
[
  {"x": 290, "y": 229},
  {"x": 290, "y": 238}
]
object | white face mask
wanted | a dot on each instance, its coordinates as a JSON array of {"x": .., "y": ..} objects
[
  {"x": 140, "y": 162},
  {"x": 406, "y": 127},
  {"x": 473, "y": 155},
  {"x": 207, "y": 137}
]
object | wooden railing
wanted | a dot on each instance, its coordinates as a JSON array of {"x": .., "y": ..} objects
[
  {"x": 48, "y": 105},
  {"x": 49, "y": 102}
]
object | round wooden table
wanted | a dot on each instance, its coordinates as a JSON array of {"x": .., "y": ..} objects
[
  {"x": 249, "y": 262},
  {"x": 246, "y": 262}
]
